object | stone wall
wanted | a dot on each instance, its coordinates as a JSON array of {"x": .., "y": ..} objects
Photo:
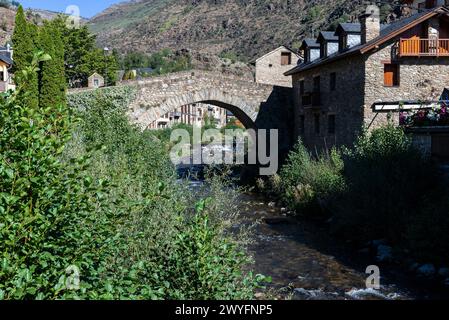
[
  {"x": 270, "y": 71},
  {"x": 421, "y": 78},
  {"x": 345, "y": 102},
  {"x": 360, "y": 83},
  {"x": 160, "y": 95}
]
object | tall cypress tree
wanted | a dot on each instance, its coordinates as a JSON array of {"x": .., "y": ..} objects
[
  {"x": 51, "y": 75},
  {"x": 22, "y": 44},
  {"x": 23, "y": 40}
]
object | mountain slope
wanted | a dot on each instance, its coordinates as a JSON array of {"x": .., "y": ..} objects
[
  {"x": 7, "y": 19},
  {"x": 245, "y": 27}
]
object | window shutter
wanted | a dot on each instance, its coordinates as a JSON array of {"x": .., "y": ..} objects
[
  {"x": 388, "y": 76},
  {"x": 391, "y": 75}
]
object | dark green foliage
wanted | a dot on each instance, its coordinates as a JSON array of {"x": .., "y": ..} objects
[
  {"x": 309, "y": 185},
  {"x": 52, "y": 82},
  {"x": 115, "y": 212},
  {"x": 162, "y": 62},
  {"x": 82, "y": 57},
  {"x": 24, "y": 39},
  {"x": 46, "y": 205},
  {"x": 382, "y": 188},
  {"x": 393, "y": 183}
]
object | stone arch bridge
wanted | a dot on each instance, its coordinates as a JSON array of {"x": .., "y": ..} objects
[{"x": 257, "y": 106}]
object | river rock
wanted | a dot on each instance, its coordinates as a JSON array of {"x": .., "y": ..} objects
[
  {"x": 444, "y": 272},
  {"x": 446, "y": 282},
  {"x": 377, "y": 243},
  {"x": 364, "y": 251},
  {"x": 272, "y": 204},
  {"x": 384, "y": 253},
  {"x": 427, "y": 270},
  {"x": 284, "y": 210},
  {"x": 414, "y": 266}
]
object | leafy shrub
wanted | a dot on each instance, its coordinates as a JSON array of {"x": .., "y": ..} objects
[
  {"x": 156, "y": 258},
  {"x": 387, "y": 176},
  {"x": 100, "y": 196},
  {"x": 46, "y": 206},
  {"x": 310, "y": 184}
]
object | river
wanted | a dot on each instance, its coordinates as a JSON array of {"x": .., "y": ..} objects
[{"x": 306, "y": 263}]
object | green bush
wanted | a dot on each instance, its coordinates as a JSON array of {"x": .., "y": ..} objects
[
  {"x": 99, "y": 195},
  {"x": 390, "y": 180},
  {"x": 309, "y": 184},
  {"x": 49, "y": 209}
]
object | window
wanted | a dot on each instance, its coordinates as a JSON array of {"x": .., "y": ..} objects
[
  {"x": 317, "y": 84},
  {"x": 317, "y": 123},
  {"x": 286, "y": 58},
  {"x": 331, "y": 124},
  {"x": 301, "y": 87},
  {"x": 96, "y": 82},
  {"x": 391, "y": 75},
  {"x": 2, "y": 76},
  {"x": 302, "y": 124},
  {"x": 333, "y": 81}
]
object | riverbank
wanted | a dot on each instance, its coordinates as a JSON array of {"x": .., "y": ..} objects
[{"x": 306, "y": 263}]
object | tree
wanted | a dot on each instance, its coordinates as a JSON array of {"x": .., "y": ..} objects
[
  {"x": 52, "y": 82},
  {"x": 23, "y": 40}
]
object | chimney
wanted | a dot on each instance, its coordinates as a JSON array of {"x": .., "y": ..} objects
[{"x": 370, "y": 24}]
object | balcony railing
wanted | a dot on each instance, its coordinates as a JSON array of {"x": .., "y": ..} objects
[
  {"x": 312, "y": 99},
  {"x": 417, "y": 47}
]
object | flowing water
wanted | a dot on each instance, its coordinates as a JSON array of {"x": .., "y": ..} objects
[{"x": 306, "y": 263}]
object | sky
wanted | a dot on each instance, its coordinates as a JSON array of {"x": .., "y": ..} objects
[{"x": 88, "y": 8}]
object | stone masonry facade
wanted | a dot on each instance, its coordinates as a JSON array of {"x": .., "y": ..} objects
[
  {"x": 271, "y": 67},
  {"x": 345, "y": 103},
  {"x": 359, "y": 82}
]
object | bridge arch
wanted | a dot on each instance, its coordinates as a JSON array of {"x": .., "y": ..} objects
[
  {"x": 235, "y": 104},
  {"x": 158, "y": 96}
]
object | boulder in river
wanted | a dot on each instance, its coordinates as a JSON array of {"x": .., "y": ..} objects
[
  {"x": 444, "y": 272},
  {"x": 384, "y": 253},
  {"x": 427, "y": 271}
]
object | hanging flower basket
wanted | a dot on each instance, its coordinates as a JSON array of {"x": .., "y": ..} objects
[{"x": 438, "y": 115}]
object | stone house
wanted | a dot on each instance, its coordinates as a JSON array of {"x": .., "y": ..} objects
[
  {"x": 95, "y": 81},
  {"x": 377, "y": 71},
  {"x": 6, "y": 62},
  {"x": 271, "y": 67}
]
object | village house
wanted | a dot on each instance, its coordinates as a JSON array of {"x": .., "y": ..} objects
[
  {"x": 376, "y": 72},
  {"x": 271, "y": 67},
  {"x": 95, "y": 81},
  {"x": 6, "y": 62}
]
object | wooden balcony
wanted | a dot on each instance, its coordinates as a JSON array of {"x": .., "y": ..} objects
[{"x": 417, "y": 47}]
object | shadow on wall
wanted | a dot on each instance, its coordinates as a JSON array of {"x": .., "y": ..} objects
[{"x": 277, "y": 113}]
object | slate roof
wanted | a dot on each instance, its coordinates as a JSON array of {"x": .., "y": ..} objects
[
  {"x": 328, "y": 36},
  {"x": 6, "y": 59},
  {"x": 311, "y": 43},
  {"x": 386, "y": 33},
  {"x": 350, "y": 27}
]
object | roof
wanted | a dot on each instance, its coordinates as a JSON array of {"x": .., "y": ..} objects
[
  {"x": 387, "y": 33},
  {"x": 328, "y": 36},
  {"x": 96, "y": 74},
  {"x": 310, "y": 43},
  {"x": 283, "y": 47},
  {"x": 349, "y": 27},
  {"x": 6, "y": 59}
]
